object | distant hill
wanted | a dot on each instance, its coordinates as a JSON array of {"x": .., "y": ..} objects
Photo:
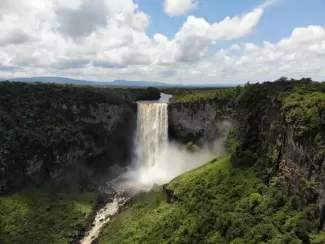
[{"x": 63, "y": 80}]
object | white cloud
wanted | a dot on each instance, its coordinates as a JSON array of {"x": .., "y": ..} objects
[
  {"x": 291, "y": 57},
  {"x": 140, "y": 21},
  {"x": 236, "y": 27},
  {"x": 235, "y": 47},
  {"x": 249, "y": 47},
  {"x": 197, "y": 35},
  {"x": 91, "y": 14},
  {"x": 179, "y": 7},
  {"x": 15, "y": 37},
  {"x": 38, "y": 39}
]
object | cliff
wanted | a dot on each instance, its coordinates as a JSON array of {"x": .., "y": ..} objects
[
  {"x": 198, "y": 122},
  {"x": 279, "y": 130},
  {"x": 284, "y": 134},
  {"x": 201, "y": 118},
  {"x": 48, "y": 131}
]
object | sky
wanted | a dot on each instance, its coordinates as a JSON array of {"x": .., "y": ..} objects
[{"x": 174, "y": 41}]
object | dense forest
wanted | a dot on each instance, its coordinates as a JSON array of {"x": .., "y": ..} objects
[
  {"x": 268, "y": 188},
  {"x": 43, "y": 122}
]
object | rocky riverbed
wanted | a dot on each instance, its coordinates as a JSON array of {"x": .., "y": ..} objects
[{"x": 113, "y": 195}]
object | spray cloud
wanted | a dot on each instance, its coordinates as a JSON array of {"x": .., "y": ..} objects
[{"x": 157, "y": 161}]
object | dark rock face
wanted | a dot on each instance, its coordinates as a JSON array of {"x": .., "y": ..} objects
[
  {"x": 113, "y": 127},
  {"x": 273, "y": 144},
  {"x": 65, "y": 134},
  {"x": 170, "y": 196},
  {"x": 198, "y": 122}
]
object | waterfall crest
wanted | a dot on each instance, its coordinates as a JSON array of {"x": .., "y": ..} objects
[{"x": 152, "y": 133}]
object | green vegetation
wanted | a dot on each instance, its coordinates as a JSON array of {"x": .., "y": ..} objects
[
  {"x": 236, "y": 199},
  {"x": 228, "y": 94},
  {"x": 304, "y": 109},
  {"x": 192, "y": 147},
  {"x": 42, "y": 122},
  {"x": 301, "y": 108},
  {"x": 184, "y": 90},
  {"x": 215, "y": 204},
  {"x": 318, "y": 238},
  {"x": 37, "y": 216},
  {"x": 266, "y": 113}
]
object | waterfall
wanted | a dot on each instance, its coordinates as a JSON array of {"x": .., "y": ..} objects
[
  {"x": 157, "y": 160},
  {"x": 152, "y": 133}
]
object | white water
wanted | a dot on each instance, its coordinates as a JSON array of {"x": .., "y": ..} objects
[
  {"x": 157, "y": 161},
  {"x": 121, "y": 191},
  {"x": 102, "y": 217},
  {"x": 152, "y": 133}
]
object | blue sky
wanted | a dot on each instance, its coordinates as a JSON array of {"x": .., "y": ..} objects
[{"x": 277, "y": 22}]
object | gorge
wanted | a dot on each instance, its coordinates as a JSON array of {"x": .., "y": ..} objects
[
  {"x": 266, "y": 188},
  {"x": 151, "y": 165}
]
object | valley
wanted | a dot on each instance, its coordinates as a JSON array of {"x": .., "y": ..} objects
[{"x": 234, "y": 165}]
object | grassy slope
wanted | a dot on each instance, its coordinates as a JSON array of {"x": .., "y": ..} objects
[
  {"x": 216, "y": 204},
  {"x": 35, "y": 216}
]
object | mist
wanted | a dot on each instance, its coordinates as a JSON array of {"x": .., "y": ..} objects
[{"x": 173, "y": 160}]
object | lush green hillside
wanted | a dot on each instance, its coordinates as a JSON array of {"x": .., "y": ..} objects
[
  {"x": 215, "y": 204},
  {"x": 37, "y": 216}
]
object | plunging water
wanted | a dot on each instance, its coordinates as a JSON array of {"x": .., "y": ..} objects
[
  {"x": 152, "y": 133},
  {"x": 151, "y": 141},
  {"x": 157, "y": 160}
]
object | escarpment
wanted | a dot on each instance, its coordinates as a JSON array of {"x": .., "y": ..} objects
[
  {"x": 48, "y": 131},
  {"x": 199, "y": 121},
  {"x": 278, "y": 128},
  {"x": 283, "y": 132}
]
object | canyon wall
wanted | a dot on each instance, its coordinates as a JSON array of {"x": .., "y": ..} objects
[
  {"x": 281, "y": 147},
  {"x": 199, "y": 122},
  {"x": 63, "y": 132},
  {"x": 279, "y": 129}
]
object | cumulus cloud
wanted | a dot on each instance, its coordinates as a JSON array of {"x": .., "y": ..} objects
[
  {"x": 107, "y": 40},
  {"x": 107, "y": 64},
  {"x": 71, "y": 64},
  {"x": 179, "y": 7},
  {"x": 291, "y": 56},
  {"x": 15, "y": 37},
  {"x": 236, "y": 27},
  {"x": 197, "y": 35},
  {"x": 81, "y": 22},
  {"x": 235, "y": 47},
  {"x": 140, "y": 21}
]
